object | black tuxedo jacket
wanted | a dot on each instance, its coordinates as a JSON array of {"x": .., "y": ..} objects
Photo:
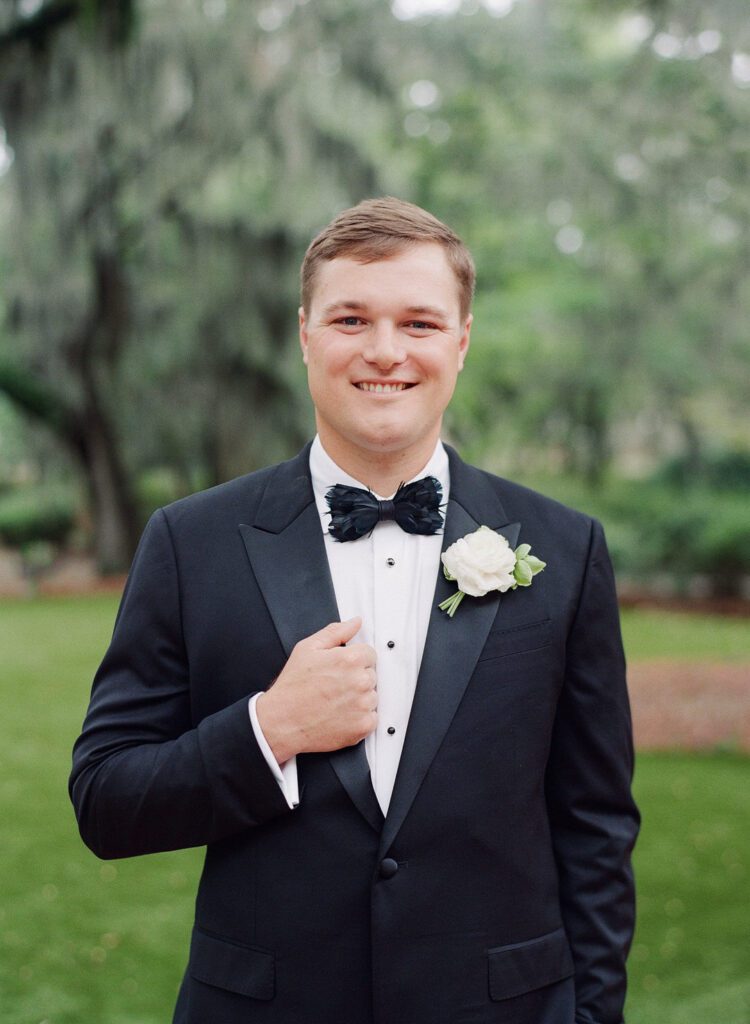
[{"x": 497, "y": 889}]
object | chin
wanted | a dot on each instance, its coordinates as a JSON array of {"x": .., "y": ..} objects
[{"x": 389, "y": 441}]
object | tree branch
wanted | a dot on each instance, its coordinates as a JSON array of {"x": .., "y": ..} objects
[
  {"x": 37, "y": 29},
  {"x": 38, "y": 401},
  {"x": 115, "y": 16}
]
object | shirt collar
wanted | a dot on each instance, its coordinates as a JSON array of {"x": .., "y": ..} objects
[{"x": 325, "y": 473}]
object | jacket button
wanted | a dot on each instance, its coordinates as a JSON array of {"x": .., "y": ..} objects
[{"x": 388, "y": 868}]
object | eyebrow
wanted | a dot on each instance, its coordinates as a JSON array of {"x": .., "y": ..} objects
[
  {"x": 433, "y": 311},
  {"x": 356, "y": 306},
  {"x": 334, "y": 307}
]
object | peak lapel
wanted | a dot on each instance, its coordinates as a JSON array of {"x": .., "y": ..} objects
[
  {"x": 287, "y": 554},
  {"x": 452, "y": 646},
  {"x": 286, "y": 550}
]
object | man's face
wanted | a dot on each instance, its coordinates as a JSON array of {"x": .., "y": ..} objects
[{"x": 383, "y": 344}]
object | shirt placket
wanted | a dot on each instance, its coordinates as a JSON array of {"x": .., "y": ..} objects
[{"x": 390, "y": 579}]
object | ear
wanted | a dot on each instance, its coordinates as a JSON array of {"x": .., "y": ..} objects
[
  {"x": 302, "y": 333},
  {"x": 463, "y": 341}
]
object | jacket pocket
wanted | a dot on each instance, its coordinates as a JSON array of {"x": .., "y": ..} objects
[
  {"x": 517, "y": 639},
  {"x": 246, "y": 970},
  {"x": 525, "y": 966}
]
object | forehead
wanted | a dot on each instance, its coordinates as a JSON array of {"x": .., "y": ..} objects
[{"x": 419, "y": 275}]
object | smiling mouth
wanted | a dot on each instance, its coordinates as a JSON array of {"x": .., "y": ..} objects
[{"x": 381, "y": 389}]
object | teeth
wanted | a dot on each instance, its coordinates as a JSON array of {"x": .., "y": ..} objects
[{"x": 380, "y": 389}]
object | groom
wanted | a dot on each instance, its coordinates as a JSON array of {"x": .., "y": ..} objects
[{"x": 410, "y": 818}]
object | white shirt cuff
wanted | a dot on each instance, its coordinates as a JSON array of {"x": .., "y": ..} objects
[{"x": 286, "y": 774}]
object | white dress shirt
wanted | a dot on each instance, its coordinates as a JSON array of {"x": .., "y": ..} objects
[{"x": 388, "y": 580}]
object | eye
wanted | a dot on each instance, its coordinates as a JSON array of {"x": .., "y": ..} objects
[
  {"x": 349, "y": 321},
  {"x": 421, "y": 325}
]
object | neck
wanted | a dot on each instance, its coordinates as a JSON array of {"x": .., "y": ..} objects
[{"x": 381, "y": 471}]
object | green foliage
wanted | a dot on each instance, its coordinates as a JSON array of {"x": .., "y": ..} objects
[
  {"x": 681, "y": 534},
  {"x": 32, "y": 514},
  {"x": 654, "y": 530},
  {"x": 158, "y": 487},
  {"x": 158, "y": 205},
  {"x": 611, "y": 296},
  {"x": 83, "y": 940},
  {"x": 723, "y": 470},
  {"x": 161, "y": 227},
  {"x": 595, "y": 158}
]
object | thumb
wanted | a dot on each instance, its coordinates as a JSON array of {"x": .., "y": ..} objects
[{"x": 335, "y": 634}]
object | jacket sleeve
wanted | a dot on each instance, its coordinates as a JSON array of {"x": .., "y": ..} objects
[
  {"x": 144, "y": 778},
  {"x": 593, "y": 818}
]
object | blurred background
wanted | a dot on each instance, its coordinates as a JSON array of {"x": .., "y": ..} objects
[{"x": 163, "y": 165}]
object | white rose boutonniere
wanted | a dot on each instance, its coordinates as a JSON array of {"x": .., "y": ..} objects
[{"x": 483, "y": 561}]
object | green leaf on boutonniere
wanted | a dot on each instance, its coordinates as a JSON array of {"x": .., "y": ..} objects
[{"x": 527, "y": 566}]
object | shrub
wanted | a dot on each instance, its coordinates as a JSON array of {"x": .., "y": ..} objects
[
  {"x": 726, "y": 470},
  {"x": 655, "y": 530},
  {"x": 680, "y": 533},
  {"x": 36, "y": 514},
  {"x": 723, "y": 549}
]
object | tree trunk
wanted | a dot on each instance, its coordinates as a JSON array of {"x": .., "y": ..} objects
[
  {"x": 90, "y": 437},
  {"x": 115, "y": 519}
]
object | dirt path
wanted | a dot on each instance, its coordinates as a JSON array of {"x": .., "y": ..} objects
[{"x": 690, "y": 705}]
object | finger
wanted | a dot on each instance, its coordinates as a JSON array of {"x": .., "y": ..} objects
[
  {"x": 334, "y": 634},
  {"x": 360, "y": 654}
]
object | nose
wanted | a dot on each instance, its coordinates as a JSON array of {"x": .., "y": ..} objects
[{"x": 384, "y": 347}]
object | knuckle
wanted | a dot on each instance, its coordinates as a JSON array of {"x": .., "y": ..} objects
[
  {"x": 346, "y": 655},
  {"x": 361, "y": 655},
  {"x": 363, "y": 681}
]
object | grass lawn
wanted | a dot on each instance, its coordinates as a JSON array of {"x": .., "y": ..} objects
[
  {"x": 86, "y": 942},
  {"x": 690, "y": 962},
  {"x": 662, "y": 634},
  {"x": 81, "y": 941}
]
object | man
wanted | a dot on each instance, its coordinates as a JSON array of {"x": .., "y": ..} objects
[{"x": 411, "y": 818}]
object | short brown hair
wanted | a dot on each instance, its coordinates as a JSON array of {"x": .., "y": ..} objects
[{"x": 377, "y": 229}]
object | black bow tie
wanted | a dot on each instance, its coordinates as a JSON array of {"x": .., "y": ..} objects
[{"x": 415, "y": 507}]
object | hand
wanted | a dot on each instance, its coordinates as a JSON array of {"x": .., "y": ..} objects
[{"x": 325, "y": 697}]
